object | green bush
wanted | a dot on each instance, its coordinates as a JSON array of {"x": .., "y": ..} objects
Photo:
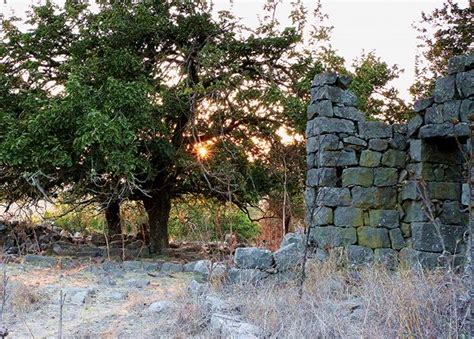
[{"x": 208, "y": 220}]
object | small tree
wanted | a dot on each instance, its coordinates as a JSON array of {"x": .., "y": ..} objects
[{"x": 446, "y": 32}]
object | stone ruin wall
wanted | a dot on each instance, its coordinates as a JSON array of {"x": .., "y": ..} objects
[{"x": 391, "y": 192}]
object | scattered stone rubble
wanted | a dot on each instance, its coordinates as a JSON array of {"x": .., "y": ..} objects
[{"x": 388, "y": 192}]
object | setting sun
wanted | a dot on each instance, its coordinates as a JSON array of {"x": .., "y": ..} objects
[{"x": 202, "y": 152}]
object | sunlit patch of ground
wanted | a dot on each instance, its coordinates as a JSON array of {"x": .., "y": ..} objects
[{"x": 97, "y": 303}]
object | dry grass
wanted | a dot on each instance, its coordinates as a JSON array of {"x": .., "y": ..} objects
[
  {"x": 339, "y": 302},
  {"x": 372, "y": 302}
]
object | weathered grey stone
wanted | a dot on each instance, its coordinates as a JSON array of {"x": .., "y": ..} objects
[
  {"x": 434, "y": 114},
  {"x": 414, "y": 211},
  {"x": 406, "y": 229},
  {"x": 375, "y": 129},
  {"x": 288, "y": 257},
  {"x": 216, "y": 304},
  {"x": 357, "y": 176},
  {"x": 451, "y": 214},
  {"x": 333, "y": 196},
  {"x": 444, "y": 130},
  {"x": 469, "y": 61},
  {"x": 202, "y": 267},
  {"x": 359, "y": 255},
  {"x": 408, "y": 257},
  {"x": 355, "y": 141},
  {"x": 322, "y": 216},
  {"x": 422, "y": 104},
  {"x": 335, "y": 95},
  {"x": 332, "y": 125},
  {"x": 197, "y": 289},
  {"x": 332, "y": 236},
  {"x": 409, "y": 191},
  {"x": 253, "y": 257},
  {"x": 293, "y": 238},
  {"x": 462, "y": 130},
  {"x": 387, "y": 257},
  {"x": 384, "y": 218},
  {"x": 40, "y": 260},
  {"x": 325, "y": 142},
  {"x": 396, "y": 238},
  {"x": 456, "y": 64},
  {"x": 466, "y": 110},
  {"x": 418, "y": 152},
  {"x": 399, "y": 141},
  {"x": 394, "y": 158},
  {"x": 465, "y": 83},
  {"x": 385, "y": 176},
  {"x": 322, "y": 108},
  {"x": 310, "y": 197},
  {"x": 348, "y": 216},
  {"x": 466, "y": 195},
  {"x": 189, "y": 267},
  {"x": 132, "y": 265},
  {"x": 324, "y": 79},
  {"x": 321, "y": 177},
  {"x": 161, "y": 306},
  {"x": 378, "y": 144},
  {"x": 430, "y": 237},
  {"x": 444, "y": 190},
  {"x": 246, "y": 276},
  {"x": 370, "y": 158},
  {"x": 310, "y": 160},
  {"x": 373, "y": 237},
  {"x": 344, "y": 81},
  {"x": 137, "y": 283},
  {"x": 171, "y": 267},
  {"x": 231, "y": 326},
  {"x": 414, "y": 125},
  {"x": 451, "y": 111},
  {"x": 151, "y": 266},
  {"x": 346, "y": 157},
  {"x": 374, "y": 197},
  {"x": 78, "y": 295},
  {"x": 445, "y": 89},
  {"x": 350, "y": 113}
]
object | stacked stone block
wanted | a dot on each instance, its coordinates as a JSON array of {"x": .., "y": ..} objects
[{"x": 370, "y": 185}]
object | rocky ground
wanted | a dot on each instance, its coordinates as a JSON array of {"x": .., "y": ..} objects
[{"x": 106, "y": 299}]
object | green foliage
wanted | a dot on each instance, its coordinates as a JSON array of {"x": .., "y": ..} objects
[
  {"x": 446, "y": 32},
  {"x": 377, "y": 99},
  {"x": 194, "y": 218},
  {"x": 86, "y": 220},
  {"x": 111, "y": 104}
]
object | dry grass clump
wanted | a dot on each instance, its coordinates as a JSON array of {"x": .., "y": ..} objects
[
  {"x": 20, "y": 298},
  {"x": 372, "y": 302}
]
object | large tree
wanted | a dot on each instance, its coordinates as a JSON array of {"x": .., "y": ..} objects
[
  {"x": 155, "y": 100},
  {"x": 146, "y": 102}
]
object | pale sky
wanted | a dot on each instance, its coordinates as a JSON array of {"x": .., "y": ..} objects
[{"x": 381, "y": 25}]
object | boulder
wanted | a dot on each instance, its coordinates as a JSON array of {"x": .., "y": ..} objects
[
  {"x": 231, "y": 326},
  {"x": 288, "y": 257},
  {"x": 359, "y": 255},
  {"x": 171, "y": 267},
  {"x": 253, "y": 257},
  {"x": 161, "y": 306}
]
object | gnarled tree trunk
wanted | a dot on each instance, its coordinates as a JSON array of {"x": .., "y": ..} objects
[
  {"x": 112, "y": 216},
  {"x": 158, "y": 209}
]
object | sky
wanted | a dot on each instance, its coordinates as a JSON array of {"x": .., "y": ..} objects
[{"x": 381, "y": 25}]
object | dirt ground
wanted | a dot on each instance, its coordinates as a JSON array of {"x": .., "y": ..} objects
[{"x": 105, "y": 300}]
